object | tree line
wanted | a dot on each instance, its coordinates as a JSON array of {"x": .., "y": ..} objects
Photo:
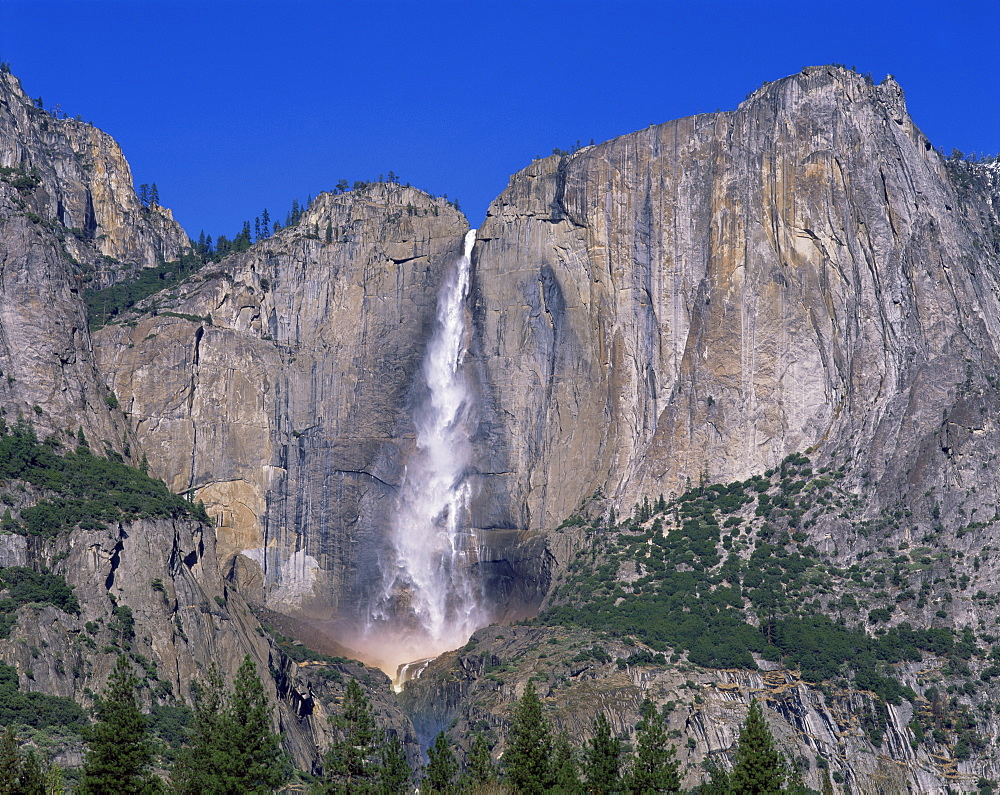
[{"x": 230, "y": 748}]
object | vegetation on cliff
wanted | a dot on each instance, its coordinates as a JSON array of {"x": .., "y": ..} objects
[
  {"x": 81, "y": 489},
  {"x": 725, "y": 574}
]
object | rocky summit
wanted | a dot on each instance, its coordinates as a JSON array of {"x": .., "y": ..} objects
[{"x": 724, "y": 390}]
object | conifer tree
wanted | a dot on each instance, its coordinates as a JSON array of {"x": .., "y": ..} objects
[
  {"x": 119, "y": 750},
  {"x": 565, "y": 772},
  {"x": 602, "y": 759},
  {"x": 253, "y": 761},
  {"x": 350, "y": 762},
  {"x": 31, "y": 780},
  {"x": 54, "y": 780},
  {"x": 394, "y": 772},
  {"x": 655, "y": 767},
  {"x": 529, "y": 746},
  {"x": 759, "y": 767},
  {"x": 480, "y": 771},
  {"x": 194, "y": 770},
  {"x": 10, "y": 762},
  {"x": 232, "y": 747},
  {"x": 441, "y": 765}
]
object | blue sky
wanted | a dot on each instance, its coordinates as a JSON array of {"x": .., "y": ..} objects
[{"x": 231, "y": 107}]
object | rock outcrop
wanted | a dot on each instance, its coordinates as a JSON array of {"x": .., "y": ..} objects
[
  {"x": 576, "y": 674},
  {"x": 75, "y": 178},
  {"x": 698, "y": 299},
  {"x": 276, "y": 385},
  {"x": 68, "y": 217}
]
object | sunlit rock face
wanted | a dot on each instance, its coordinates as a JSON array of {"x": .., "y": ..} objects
[
  {"x": 68, "y": 218},
  {"x": 290, "y": 411},
  {"x": 690, "y": 302},
  {"x": 698, "y": 299}
]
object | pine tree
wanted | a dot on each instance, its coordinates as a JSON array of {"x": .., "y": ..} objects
[
  {"x": 481, "y": 771},
  {"x": 31, "y": 780},
  {"x": 529, "y": 746},
  {"x": 565, "y": 772},
  {"x": 394, "y": 772},
  {"x": 154, "y": 196},
  {"x": 759, "y": 767},
  {"x": 350, "y": 761},
  {"x": 119, "y": 751},
  {"x": 194, "y": 771},
  {"x": 441, "y": 765},
  {"x": 232, "y": 747},
  {"x": 54, "y": 780},
  {"x": 602, "y": 760},
  {"x": 10, "y": 762},
  {"x": 655, "y": 767},
  {"x": 253, "y": 760}
]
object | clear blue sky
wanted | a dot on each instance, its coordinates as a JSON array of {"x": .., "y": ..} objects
[{"x": 231, "y": 107}]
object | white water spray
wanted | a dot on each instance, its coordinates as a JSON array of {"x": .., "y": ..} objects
[{"x": 430, "y": 600}]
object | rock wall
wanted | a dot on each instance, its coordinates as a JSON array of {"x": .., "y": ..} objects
[
  {"x": 83, "y": 190},
  {"x": 475, "y": 690},
  {"x": 68, "y": 214},
  {"x": 698, "y": 299},
  {"x": 276, "y": 388}
]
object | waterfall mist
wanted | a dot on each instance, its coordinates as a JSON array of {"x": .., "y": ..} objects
[{"x": 430, "y": 599}]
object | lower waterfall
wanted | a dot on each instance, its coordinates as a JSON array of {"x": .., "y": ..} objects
[{"x": 430, "y": 600}]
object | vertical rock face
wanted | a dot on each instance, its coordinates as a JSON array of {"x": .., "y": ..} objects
[
  {"x": 701, "y": 298},
  {"x": 67, "y": 213},
  {"x": 277, "y": 387},
  {"x": 83, "y": 190}
]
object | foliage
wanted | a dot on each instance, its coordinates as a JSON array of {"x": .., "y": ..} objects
[
  {"x": 33, "y": 709},
  {"x": 441, "y": 765},
  {"x": 25, "y": 586},
  {"x": 724, "y": 573},
  {"x": 655, "y": 767},
  {"x": 527, "y": 761},
  {"x": 20, "y": 772},
  {"x": 107, "y": 304},
  {"x": 480, "y": 770},
  {"x": 361, "y": 758},
  {"x": 119, "y": 750},
  {"x": 565, "y": 772},
  {"x": 394, "y": 771},
  {"x": 759, "y": 767},
  {"x": 602, "y": 758},
  {"x": 232, "y": 747},
  {"x": 88, "y": 490}
]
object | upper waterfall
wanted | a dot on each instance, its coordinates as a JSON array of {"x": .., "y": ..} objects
[{"x": 431, "y": 598}]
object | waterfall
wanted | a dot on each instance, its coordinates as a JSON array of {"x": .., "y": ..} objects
[{"x": 430, "y": 600}]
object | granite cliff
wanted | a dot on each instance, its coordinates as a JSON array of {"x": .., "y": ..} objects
[
  {"x": 275, "y": 387},
  {"x": 699, "y": 299},
  {"x": 686, "y": 305}
]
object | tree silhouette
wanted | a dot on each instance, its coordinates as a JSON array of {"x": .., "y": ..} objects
[
  {"x": 529, "y": 746},
  {"x": 119, "y": 751},
  {"x": 759, "y": 767},
  {"x": 602, "y": 760}
]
